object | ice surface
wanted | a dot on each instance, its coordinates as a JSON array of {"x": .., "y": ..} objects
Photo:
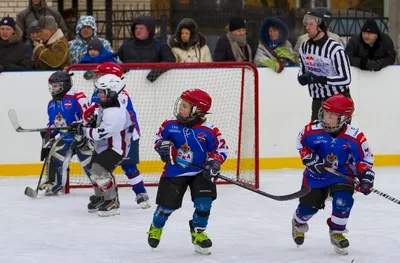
[{"x": 244, "y": 227}]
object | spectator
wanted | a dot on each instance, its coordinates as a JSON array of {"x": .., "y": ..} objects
[
  {"x": 189, "y": 45},
  {"x": 234, "y": 46},
  {"x": 53, "y": 52},
  {"x": 143, "y": 47},
  {"x": 34, "y": 35},
  {"x": 35, "y": 10},
  {"x": 96, "y": 53},
  {"x": 70, "y": 17},
  {"x": 86, "y": 30},
  {"x": 305, "y": 37},
  {"x": 371, "y": 49},
  {"x": 274, "y": 50},
  {"x": 13, "y": 53}
]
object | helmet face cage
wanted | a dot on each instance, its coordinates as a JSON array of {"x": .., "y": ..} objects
[
  {"x": 195, "y": 112},
  {"x": 56, "y": 88},
  {"x": 332, "y": 121},
  {"x": 309, "y": 17}
]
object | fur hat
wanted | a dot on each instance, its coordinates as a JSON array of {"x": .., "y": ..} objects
[
  {"x": 236, "y": 23},
  {"x": 47, "y": 22}
]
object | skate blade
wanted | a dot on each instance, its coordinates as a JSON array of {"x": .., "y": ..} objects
[
  {"x": 145, "y": 205},
  {"x": 30, "y": 192},
  {"x": 91, "y": 211},
  {"x": 112, "y": 212},
  {"x": 340, "y": 251},
  {"x": 201, "y": 250}
]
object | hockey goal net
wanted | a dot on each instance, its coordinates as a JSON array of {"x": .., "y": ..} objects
[{"x": 233, "y": 88}]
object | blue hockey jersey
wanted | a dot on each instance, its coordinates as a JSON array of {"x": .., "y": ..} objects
[
  {"x": 125, "y": 100},
  {"x": 348, "y": 153},
  {"x": 67, "y": 110},
  {"x": 195, "y": 145}
]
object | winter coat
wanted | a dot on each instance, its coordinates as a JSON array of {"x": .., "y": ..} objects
[
  {"x": 382, "y": 50},
  {"x": 274, "y": 54},
  {"x": 14, "y": 54},
  {"x": 104, "y": 56},
  {"x": 196, "y": 50},
  {"x": 78, "y": 46},
  {"x": 148, "y": 50},
  {"x": 223, "y": 50},
  {"x": 54, "y": 54},
  {"x": 32, "y": 13},
  {"x": 305, "y": 37}
]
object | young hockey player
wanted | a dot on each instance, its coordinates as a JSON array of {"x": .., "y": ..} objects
[
  {"x": 332, "y": 142},
  {"x": 129, "y": 164},
  {"x": 111, "y": 133},
  {"x": 67, "y": 106},
  {"x": 181, "y": 142}
]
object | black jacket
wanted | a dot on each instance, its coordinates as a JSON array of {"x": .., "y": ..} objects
[
  {"x": 148, "y": 50},
  {"x": 223, "y": 50},
  {"x": 14, "y": 54},
  {"x": 359, "y": 53}
]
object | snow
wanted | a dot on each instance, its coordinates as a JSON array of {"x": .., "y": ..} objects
[{"x": 244, "y": 226}]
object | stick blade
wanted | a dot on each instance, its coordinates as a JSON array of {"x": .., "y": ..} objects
[
  {"x": 12, "y": 115},
  {"x": 30, "y": 192}
]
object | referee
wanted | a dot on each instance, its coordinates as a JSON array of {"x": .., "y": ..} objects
[{"x": 324, "y": 64}]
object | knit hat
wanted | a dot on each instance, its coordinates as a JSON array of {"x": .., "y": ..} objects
[
  {"x": 33, "y": 27},
  {"x": 47, "y": 22},
  {"x": 370, "y": 26},
  {"x": 95, "y": 44},
  {"x": 236, "y": 23},
  {"x": 8, "y": 21}
]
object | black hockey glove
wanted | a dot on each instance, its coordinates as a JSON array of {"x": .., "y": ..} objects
[
  {"x": 314, "y": 163},
  {"x": 47, "y": 143},
  {"x": 167, "y": 151},
  {"x": 366, "y": 181},
  {"x": 213, "y": 168},
  {"x": 76, "y": 129},
  {"x": 310, "y": 78},
  {"x": 89, "y": 75}
]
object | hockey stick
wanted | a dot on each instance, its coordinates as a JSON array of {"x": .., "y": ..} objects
[
  {"x": 356, "y": 182},
  {"x": 288, "y": 197},
  {"x": 33, "y": 193},
  {"x": 14, "y": 121}
]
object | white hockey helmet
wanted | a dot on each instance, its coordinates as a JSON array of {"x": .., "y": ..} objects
[{"x": 111, "y": 86}]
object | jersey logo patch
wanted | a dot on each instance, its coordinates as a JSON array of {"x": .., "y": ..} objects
[
  {"x": 185, "y": 154},
  {"x": 68, "y": 104}
]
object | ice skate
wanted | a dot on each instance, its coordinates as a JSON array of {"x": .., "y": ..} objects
[
  {"x": 95, "y": 203},
  {"x": 200, "y": 240},
  {"x": 298, "y": 232},
  {"x": 143, "y": 200},
  {"x": 339, "y": 242},
  {"x": 109, "y": 208},
  {"x": 154, "y": 236}
]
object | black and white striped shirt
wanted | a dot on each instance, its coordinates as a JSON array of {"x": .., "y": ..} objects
[{"x": 325, "y": 57}]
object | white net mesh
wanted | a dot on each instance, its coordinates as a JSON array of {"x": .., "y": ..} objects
[{"x": 233, "y": 89}]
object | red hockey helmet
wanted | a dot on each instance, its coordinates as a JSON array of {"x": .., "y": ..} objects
[
  {"x": 109, "y": 68},
  {"x": 200, "y": 101},
  {"x": 335, "y": 112}
]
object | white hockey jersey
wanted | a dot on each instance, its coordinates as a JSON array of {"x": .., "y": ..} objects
[{"x": 114, "y": 130}]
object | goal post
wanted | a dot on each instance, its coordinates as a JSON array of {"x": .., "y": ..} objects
[{"x": 154, "y": 88}]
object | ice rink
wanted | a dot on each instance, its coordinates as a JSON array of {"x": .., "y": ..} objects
[{"x": 244, "y": 227}]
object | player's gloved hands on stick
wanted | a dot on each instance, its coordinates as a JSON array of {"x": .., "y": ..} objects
[
  {"x": 167, "y": 151},
  {"x": 366, "y": 181},
  {"x": 213, "y": 167},
  {"x": 310, "y": 78},
  {"x": 314, "y": 163},
  {"x": 76, "y": 129}
]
